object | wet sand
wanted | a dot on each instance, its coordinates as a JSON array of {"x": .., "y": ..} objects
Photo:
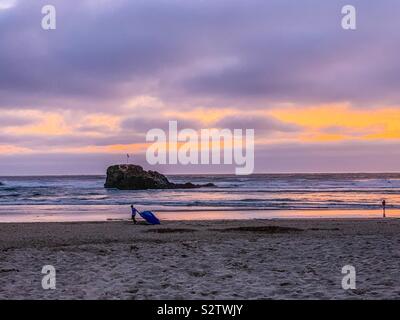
[
  {"x": 76, "y": 213},
  {"x": 243, "y": 259}
]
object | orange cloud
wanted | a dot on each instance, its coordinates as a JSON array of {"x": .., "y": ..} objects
[
  {"x": 117, "y": 148},
  {"x": 351, "y": 123},
  {"x": 10, "y": 149}
]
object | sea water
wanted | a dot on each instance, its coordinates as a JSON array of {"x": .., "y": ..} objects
[{"x": 254, "y": 196}]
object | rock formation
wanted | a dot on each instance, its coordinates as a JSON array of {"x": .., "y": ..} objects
[{"x": 133, "y": 177}]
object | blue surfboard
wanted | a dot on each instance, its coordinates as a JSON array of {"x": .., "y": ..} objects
[{"x": 150, "y": 217}]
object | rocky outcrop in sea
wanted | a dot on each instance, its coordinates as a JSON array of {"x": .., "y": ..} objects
[{"x": 133, "y": 177}]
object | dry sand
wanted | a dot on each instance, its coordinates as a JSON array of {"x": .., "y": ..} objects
[{"x": 244, "y": 259}]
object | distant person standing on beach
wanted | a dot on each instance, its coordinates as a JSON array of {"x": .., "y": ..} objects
[{"x": 384, "y": 207}]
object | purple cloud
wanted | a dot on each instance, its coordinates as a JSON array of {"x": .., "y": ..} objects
[{"x": 284, "y": 50}]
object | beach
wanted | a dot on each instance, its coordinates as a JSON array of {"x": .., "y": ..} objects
[{"x": 220, "y": 259}]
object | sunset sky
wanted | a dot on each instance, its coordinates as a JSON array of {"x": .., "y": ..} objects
[{"x": 321, "y": 99}]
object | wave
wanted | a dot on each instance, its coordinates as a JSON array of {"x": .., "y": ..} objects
[{"x": 289, "y": 191}]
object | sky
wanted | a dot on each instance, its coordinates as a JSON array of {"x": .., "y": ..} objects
[{"x": 79, "y": 98}]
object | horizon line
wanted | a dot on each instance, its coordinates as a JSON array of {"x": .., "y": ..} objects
[{"x": 209, "y": 173}]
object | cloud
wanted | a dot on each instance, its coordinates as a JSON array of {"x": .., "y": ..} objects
[
  {"x": 112, "y": 70},
  {"x": 7, "y": 4},
  {"x": 225, "y": 51},
  {"x": 142, "y": 125},
  {"x": 348, "y": 157},
  {"x": 46, "y": 143},
  {"x": 353, "y": 132},
  {"x": 258, "y": 123},
  {"x": 14, "y": 120}
]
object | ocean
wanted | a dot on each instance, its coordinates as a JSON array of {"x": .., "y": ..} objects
[{"x": 53, "y": 198}]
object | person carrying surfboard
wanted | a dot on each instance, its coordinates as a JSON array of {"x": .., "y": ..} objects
[
  {"x": 133, "y": 216},
  {"x": 149, "y": 216}
]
